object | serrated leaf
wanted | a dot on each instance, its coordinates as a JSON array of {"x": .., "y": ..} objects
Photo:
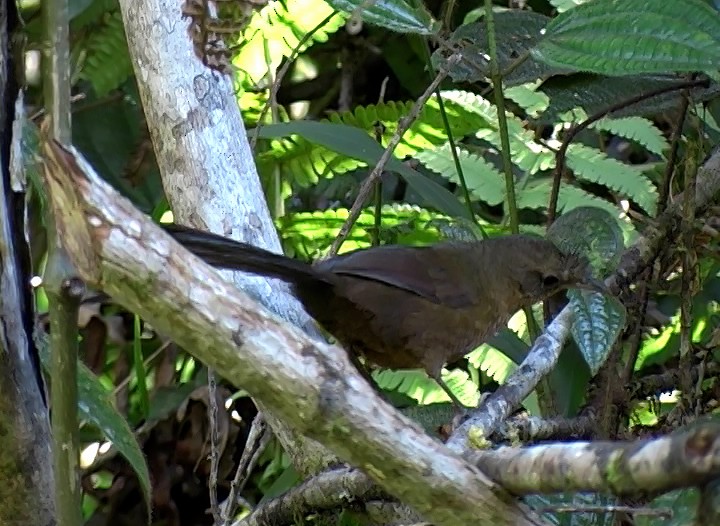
[
  {"x": 516, "y": 33},
  {"x": 484, "y": 181},
  {"x": 396, "y": 15},
  {"x": 95, "y": 406},
  {"x": 599, "y": 319},
  {"x": 420, "y": 387},
  {"x": 592, "y": 232},
  {"x": 637, "y": 129},
  {"x": 593, "y": 165},
  {"x": 357, "y": 144},
  {"x": 621, "y": 37}
]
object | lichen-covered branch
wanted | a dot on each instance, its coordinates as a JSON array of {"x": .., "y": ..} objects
[{"x": 310, "y": 385}]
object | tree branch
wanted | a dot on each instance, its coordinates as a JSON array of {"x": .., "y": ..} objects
[
  {"x": 310, "y": 385},
  {"x": 687, "y": 458},
  {"x": 543, "y": 355},
  {"x": 207, "y": 168}
]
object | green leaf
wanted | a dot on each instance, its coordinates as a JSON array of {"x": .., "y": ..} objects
[
  {"x": 420, "y": 387},
  {"x": 593, "y": 165},
  {"x": 307, "y": 234},
  {"x": 592, "y": 232},
  {"x": 95, "y": 406},
  {"x": 396, "y": 15},
  {"x": 637, "y": 129},
  {"x": 622, "y": 37},
  {"x": 529, "y": 98},
  {"x": 497, "y": 365},
  {"x": 564, "y": 5},
  {"x": 536, "y": 195},
  {"x": 276, "y": 31},
  {"x": 516, "y": 33},
  {"x": 107, "y": 61},
  {"x": 595, "y": 93},
  {"x": 484, "y": 181},
  {"x": 595, "y": 234},
  {"x": 357, "y": 144},
  {"x": 525, "y": 152},
  {"x": 569, "y": 380},
  {"x": 684, "y": 504},
  {"x": 456, "y": 229},
  {"x": 599, "y": 319}
]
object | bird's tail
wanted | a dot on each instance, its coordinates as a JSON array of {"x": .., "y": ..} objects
[{"x": 221, "y": 252}]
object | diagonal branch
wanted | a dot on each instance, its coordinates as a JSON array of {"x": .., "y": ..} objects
[
  {"x": 310, "y": 385},
  {"x": 543, "y": 356}
]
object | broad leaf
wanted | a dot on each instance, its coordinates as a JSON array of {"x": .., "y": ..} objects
[
  {"x": 595, "y": 234},
  {"x": 592, "y": 232},
  {"x": 95, "y": 406},
  {"x": 516, "y": 33},
  {"x": 599, "y": 319},
  {"x": 595, "y": 93},
  {"x": 396, "y": 15},
  {"x": 621, "y": 37}
]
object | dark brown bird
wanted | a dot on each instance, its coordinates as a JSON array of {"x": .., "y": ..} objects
[{"x": 405, "y": 307}]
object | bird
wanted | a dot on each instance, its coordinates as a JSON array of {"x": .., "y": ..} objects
[{"x": 410, "y": 307}]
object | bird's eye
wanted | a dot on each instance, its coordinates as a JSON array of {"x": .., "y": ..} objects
[{"x": 550, "y": 281}]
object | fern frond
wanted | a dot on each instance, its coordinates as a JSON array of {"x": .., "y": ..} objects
[
  {"x": 107, "y": 62},
  {"x": 492, "y": 362},
  {"x": 528, "y": 97},
  {"x": 312, "y": 233},
  {"x": 528, "y": 155},
  {"x": 428, "y": 131},
  {"x": 484, "y": 181},
  {"x": 535, "y": 195},
  {"x": 593, "y": 165},
  {"x": 418, "y": 386},
  {"x": 277, "y": 29},
  {"x": 638, "y": 129},
  {"x": 304, "y": 163}
]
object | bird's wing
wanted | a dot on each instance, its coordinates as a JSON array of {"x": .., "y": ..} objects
[{"x": 434, "y": 273}]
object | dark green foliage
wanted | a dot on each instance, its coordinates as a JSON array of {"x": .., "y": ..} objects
[{"x": 101, "y": 50}]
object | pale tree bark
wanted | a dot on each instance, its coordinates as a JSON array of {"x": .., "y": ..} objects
[
  {"x": 309, "y": 385},
  {"x": 26, "y": 483},
  {"x": 207, "y": 169},
  {"x": 211, "y": 182}
]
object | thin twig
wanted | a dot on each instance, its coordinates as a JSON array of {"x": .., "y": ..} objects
[
  {"x": 452, "y": 143},
  {"x": 214, "y": 457},
  {"x": 675, "y": 138},
  {"x": 254, "y": 446},
  {"x": 688, "y": 285},
  {"x": 281, "y": 74},
  {"x": 369, "y": 182},
  {"x": 574, "y": 130}
]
